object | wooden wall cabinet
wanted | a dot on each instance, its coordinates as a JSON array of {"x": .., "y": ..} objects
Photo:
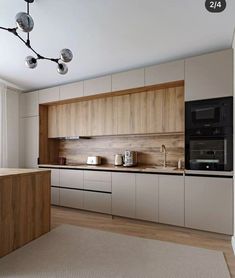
[{"x": 154, "y": 111}]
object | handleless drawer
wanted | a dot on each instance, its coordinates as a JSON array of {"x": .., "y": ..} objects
[
  {"x": 98, "y": 185},
  {"x": 100, "y": 202},
  {"x": 97, "y": 176},
  {"x": 71, "y": 198},
  {"x": 71, "y": 178},
  {"x": 55, "y": 177}
]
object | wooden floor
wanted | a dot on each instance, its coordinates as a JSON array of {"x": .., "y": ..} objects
[{"x": 146, "y": 230}]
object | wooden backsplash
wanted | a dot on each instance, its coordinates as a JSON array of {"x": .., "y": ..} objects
[{"x": 148, "y": 148}]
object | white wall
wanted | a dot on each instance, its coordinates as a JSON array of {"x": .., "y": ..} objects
[
  {"x": 13, "y": 128},
  {"x": 233, "y": 240}
]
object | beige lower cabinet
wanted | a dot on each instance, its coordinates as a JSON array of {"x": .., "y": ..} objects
[
  {"x": 209, "y": 204},
  {"x": 147, "y": 197},
  {"x": 55, "y": 177},
  {"x": 123, "y": 194},
  {"x": 71, "y": 198},
  {"x": 71, "y": 178},
  {"x": 171, "y": 199},
  {"x": 55, "y": 196},
  {"x": 97, "y": 201}
]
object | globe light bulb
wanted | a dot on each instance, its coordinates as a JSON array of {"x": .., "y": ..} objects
[
  {"x": 66, "y": 55},
  {"x": 62, "y": 68},
  {"x": 31, "y": 62},
  {"x": 24, "y": 22}
]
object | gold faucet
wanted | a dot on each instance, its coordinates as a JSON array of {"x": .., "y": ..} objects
[{"x": 163, "y": 150}]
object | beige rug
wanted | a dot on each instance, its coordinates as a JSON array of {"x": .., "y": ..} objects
[{"x": 71, "y": 251}]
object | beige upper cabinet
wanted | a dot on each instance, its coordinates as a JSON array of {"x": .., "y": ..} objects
[
  {"x": 128, "y": 80},
  {"x": 209, "y": 76},
  {"x": 163, "y": 73},
  {"x": 70, "y": 91},
  {"x": 49, "y": 95},
  {"x": 29, "y": 104},
  {"x": 97, "y": 86}
]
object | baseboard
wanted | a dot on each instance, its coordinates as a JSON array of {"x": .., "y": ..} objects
[{"x": 233, "y": 244}]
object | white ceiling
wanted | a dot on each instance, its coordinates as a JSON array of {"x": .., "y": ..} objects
[{"x": 108, "y": 36}]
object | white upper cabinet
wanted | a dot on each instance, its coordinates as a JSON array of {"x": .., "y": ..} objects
[
  {"x": 209, "y": 76},
  {"x": 73, "y": 90},
  {"x": 49, "y": 95},
  {"x": 97, "y": 86},
  {"x": 128, "y": 80},
  {"x": 29, "y": 104},
  {"x": 163, "y": 73}
]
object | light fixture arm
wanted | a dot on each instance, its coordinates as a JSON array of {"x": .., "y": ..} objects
[{"x": 25, "y": 23}]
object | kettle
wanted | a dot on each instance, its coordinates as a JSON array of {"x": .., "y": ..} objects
[{"x": 118, "y": 160}]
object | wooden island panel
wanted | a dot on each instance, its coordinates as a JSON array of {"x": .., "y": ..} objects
[{"x": 24, "y": 209}]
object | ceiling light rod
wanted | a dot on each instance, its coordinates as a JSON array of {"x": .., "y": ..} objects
[{"x": 25, "y": 23}]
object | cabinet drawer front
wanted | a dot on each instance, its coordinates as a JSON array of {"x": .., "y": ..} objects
[
  {"x": 100, "y": 202},
  {"x": 55, "y": 177},
  {"x": 97, "y": 176},
  {"x": 55, "y": 196},
  {"x": 98, "y": 185},
  {"x": 71, "y": 198},
  {"x": 71, "y": 178}
]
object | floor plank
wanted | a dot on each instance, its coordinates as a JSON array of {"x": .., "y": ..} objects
[{"x": 146, "y": 230}]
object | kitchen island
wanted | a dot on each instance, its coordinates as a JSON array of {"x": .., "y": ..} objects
[{"x": 24, "y": 207}]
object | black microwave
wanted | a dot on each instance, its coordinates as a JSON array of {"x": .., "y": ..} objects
[{"x": 208, "y": 113}]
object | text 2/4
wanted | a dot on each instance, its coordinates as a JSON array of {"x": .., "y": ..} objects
[{"x": 215, "y": 6}]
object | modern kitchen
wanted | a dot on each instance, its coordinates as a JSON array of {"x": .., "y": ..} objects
[{"x": 136, "y": 162}]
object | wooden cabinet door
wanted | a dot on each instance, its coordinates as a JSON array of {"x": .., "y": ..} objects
[
  {"x": 123, "y": 194},
  {"x": 209, "y": 204},
  {"x": 53, "y": 131},
  {"x": 138, "y": 113},
  {"x": 147, "y": 197},
  {"x": 122, "y": 111},
  {"x": 155, "y": 106},
  {"x": 171, "y": 200},
  {"x": 173, "y": 119}
]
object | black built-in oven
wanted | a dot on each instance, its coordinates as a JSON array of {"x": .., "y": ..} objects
[{"x": 209, "y": 134}]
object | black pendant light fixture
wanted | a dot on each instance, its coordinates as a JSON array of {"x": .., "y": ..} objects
[{"x": 25, "y": 23}]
